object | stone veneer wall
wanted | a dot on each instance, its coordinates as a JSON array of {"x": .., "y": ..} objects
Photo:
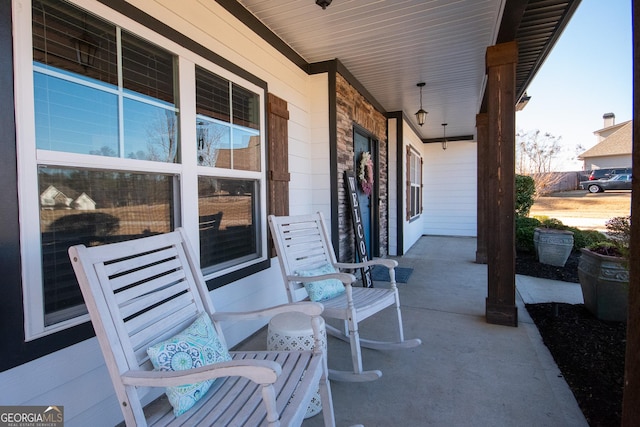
[{"x": 352, "y": 108}]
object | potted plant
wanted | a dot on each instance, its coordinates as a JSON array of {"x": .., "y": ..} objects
[
  {"x": 604, "y": 275},
  {"x": 553, "y": 243}
]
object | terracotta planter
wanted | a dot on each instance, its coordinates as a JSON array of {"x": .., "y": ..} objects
[
  {"x": 553, "y": 246},
  {"x": 605, "y": 285}
]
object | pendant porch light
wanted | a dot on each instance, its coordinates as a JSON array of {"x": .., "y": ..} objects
[
  {"x": 421, "y": 115},
  {"x": 444, "y": 136}
]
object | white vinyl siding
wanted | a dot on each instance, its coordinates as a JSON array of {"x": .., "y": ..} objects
[{"x": 450, "y": 189}]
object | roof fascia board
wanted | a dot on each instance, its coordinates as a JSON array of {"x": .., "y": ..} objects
[
  {"x": 127, "y": 9},
  {"x": 335, "y": 66},
  {"x": 618, "y": 126},
  {"x": 511, "y": 19},
  {"x": 248, "y": 19},
  {"x": 562, "y": 24}
]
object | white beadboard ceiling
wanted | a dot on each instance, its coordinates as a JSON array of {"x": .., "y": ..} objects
[{"x": 391, "y": 45}]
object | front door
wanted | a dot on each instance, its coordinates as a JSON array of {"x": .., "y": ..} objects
[{"x": 364, "y": 144}]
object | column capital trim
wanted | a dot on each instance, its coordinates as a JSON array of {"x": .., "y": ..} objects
[{"x": 502, "y": 54}]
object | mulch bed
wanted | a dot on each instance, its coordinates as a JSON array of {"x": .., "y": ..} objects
[
  {"x": 528, "y": 265},
  {"x": 588, "y": 351}
]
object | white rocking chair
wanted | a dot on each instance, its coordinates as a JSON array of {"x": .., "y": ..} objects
[
  {"x": 141, "y": 292},
  {"x": 302, "y": 244}
]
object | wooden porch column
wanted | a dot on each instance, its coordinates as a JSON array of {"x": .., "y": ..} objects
[
  {"x": 501, "y": 72},
  {"x": 630, "y": 407},
  {"x": 482, "y": 124}
]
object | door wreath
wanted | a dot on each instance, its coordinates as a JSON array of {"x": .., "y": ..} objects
[{"x": 365, "y": 173}]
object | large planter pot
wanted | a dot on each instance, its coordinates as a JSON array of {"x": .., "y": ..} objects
[
  {"x": 553, "y": 246},
  {"x": 605, "y": 285}
]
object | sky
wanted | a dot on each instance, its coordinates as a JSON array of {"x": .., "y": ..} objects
[{"x": 588, "y": 73}]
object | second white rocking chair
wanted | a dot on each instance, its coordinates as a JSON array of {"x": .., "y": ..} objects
[{"x": 303, "y": 245}]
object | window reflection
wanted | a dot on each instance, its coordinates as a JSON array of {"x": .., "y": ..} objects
[
  {"x": 150, "y": 132},
  {"x": 246, "y": 153},
  {"x": 222, "y": 142},
  {"x": 214, "y": 139},
  {"x": 227, "y": 212},
  {"x": 93, "y": 208},
  {"x": 58, "y": 27},
  {"x": 212, "y": 96},
  {"x": 147, "y": 69},
  {"x": 246, "y": 110},
  {"x": 79, "y": 102},
  {"x": 74, "y": 118}
]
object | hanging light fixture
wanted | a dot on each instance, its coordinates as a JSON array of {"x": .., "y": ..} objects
[
  {"x": 444, "y": 136},
  {"x": 323, "y": 3},
  {"x": 86, "y": 47},
  {"x": 421, "y": 115}
]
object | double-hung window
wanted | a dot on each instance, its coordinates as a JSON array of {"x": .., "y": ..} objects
[
  {"x": 111, "y": 149},
  {"x": 415, "y": 183},
  {"x": 229, "y": 164}
]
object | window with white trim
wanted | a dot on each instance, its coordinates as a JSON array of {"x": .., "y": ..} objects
[
  {"x": 110, "y": 155},
  {"x": 415, "y": 182},
  {"x": 228, "y": 135}
]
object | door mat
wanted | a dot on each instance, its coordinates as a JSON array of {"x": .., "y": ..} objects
[{"x": 381, "y": 274}]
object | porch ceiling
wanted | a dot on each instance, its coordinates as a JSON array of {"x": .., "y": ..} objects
[{"x": 391, "y": 45}]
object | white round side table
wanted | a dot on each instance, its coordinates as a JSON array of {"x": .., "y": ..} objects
[{"x": 292, "y": 331}]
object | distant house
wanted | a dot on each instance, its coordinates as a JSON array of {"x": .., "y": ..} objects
[
  {"x": 84, "y": 203},
  {"x": 613, "y": 148},
  {"x": 53, "y": 198}
]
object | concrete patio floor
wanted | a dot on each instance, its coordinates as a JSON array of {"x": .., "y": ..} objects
[{"x": 467, "y": 372}]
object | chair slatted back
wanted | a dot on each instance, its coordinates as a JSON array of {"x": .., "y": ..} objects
[
  {"x": 302, "y": 243},
  {"x": 139, "y": 292}
]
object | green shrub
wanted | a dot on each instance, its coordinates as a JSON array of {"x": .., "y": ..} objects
[
  {"x": 581, "y": 238},
  {"x": 619, "y": 228},
  {"x": 609, "y": 248},
  {"x": 586, "y": 238},
  {"x": 527, "y": 222},
  {"x": 525, "y": 192},
  {"x": 524, "y": 232},
  {"x": 525, "y": 227},
  {"x": 554, "y": 223}
]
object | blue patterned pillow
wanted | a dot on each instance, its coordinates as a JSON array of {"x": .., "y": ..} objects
[
  {"x": 322, "y": 289},
  {"x": 196, "y": 346}
]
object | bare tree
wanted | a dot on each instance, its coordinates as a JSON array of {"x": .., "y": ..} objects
[
  {"x": 162, "y": 135},
  {"x": 210, "y": 141},
  {"x": 536, "y": 153},
  {"x": 105, "y": 150}
]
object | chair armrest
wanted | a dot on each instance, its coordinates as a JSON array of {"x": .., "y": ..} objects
[
  {"x": 388, "y": 263},
  {"x": 310, "y": 308},
  {"x": 345, "y": 278},
  {"x": 258, "y": 371}
]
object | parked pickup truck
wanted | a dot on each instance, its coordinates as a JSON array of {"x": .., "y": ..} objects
[{"x": 606, "y": 173}]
